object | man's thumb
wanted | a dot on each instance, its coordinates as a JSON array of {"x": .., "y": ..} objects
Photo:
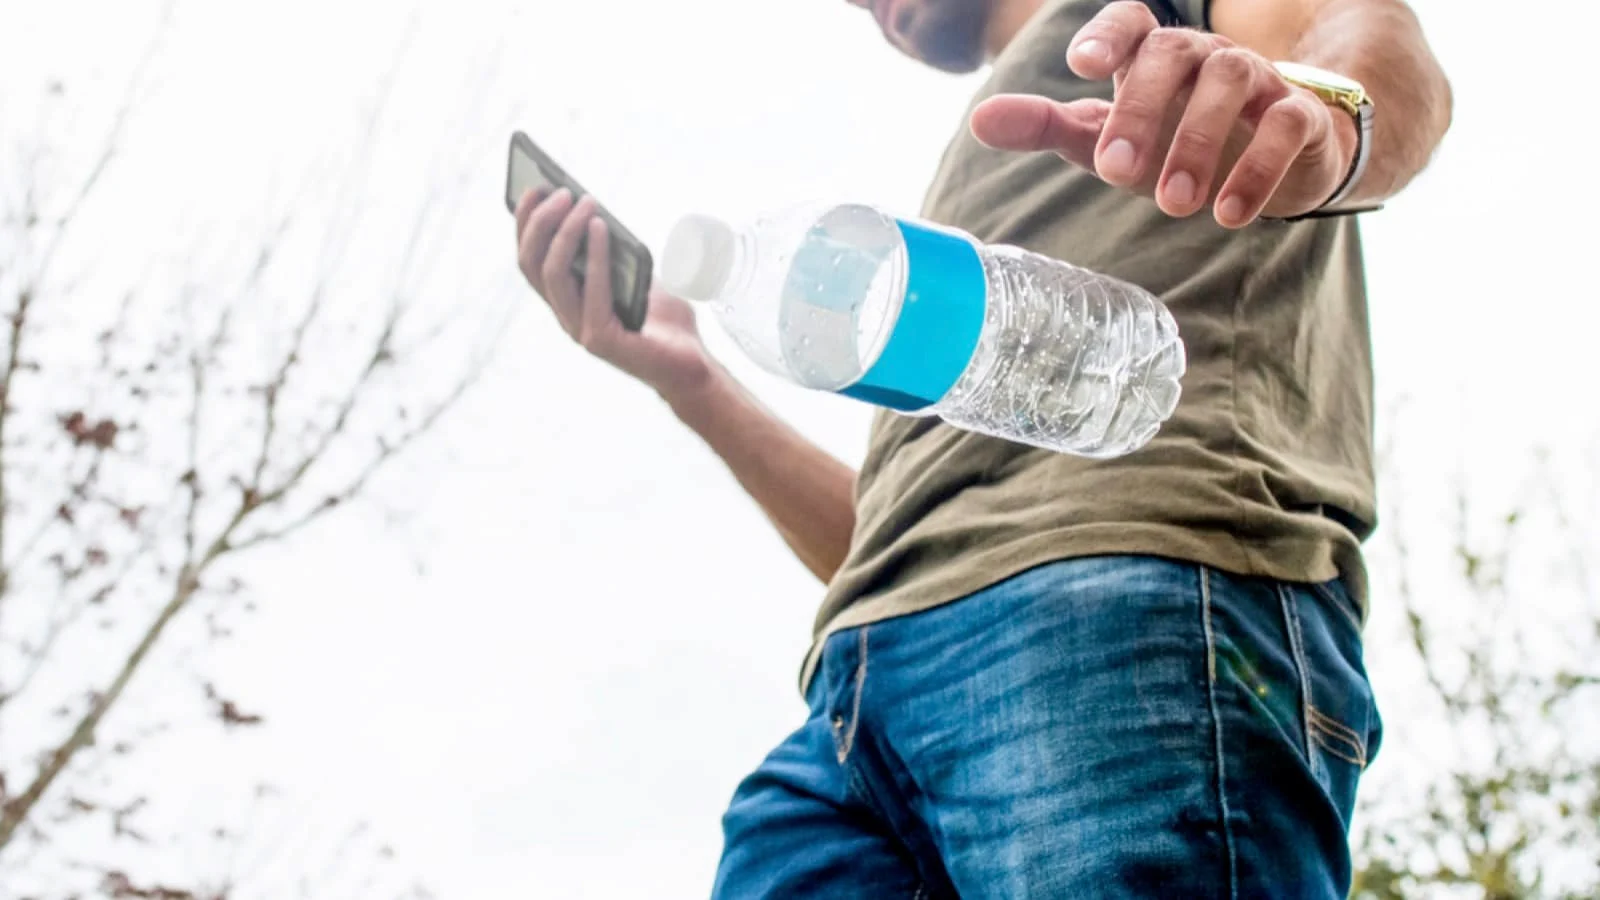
[{"x": 1026, "y": 123}]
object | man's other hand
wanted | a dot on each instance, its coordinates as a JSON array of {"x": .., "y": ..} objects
[
  {"x": 666, "y": 354},
  {"x": 1196, "y": 122}
]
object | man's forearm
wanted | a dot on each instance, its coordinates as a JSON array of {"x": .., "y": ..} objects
[
  {"x": 1378, "y": 43},
  {"x": 808, "y": 495}
]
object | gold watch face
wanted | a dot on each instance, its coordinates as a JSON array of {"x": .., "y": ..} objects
[{"x": 1312, "y": 76}]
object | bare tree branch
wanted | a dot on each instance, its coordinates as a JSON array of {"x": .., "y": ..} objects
[
  {"x": 387, "y": 450},
  {"x": 59, "y": 626},
  {"x": 108, "y": 147},
  {"x": 82, "y": 486},
  {"x": 17, "y": 321},
  {"x": 272, "y": 391},
  {"x": 160, "y": 551},
  {"x": 381, "y": 354},
  {"x": 332, "y": 256},
  {"x": 16, "y": 810},
  {"x": 200, "y": 361},
  {"x": 8, "y": 375}
]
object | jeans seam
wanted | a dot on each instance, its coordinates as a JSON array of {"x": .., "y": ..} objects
[
  {"x": 1216, "y": 729},
  {"x": 1291, "y": 625},
  {"x": 1324, "y": 744},
  {"x": 1334, "y": 600},
  {"x": 857, "y": 784},
  {"x": 1334, "y": 726},
  {"x": 855, "y": 703},
  {"x": 1325, "y": 729}
]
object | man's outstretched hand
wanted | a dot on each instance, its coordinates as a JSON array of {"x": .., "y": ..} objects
[{"x": 1196, "y": 122}]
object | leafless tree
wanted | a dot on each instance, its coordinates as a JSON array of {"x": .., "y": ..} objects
[{"x": 212, "y": 409}]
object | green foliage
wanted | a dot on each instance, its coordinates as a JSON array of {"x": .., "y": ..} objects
[{"x": 1510, "y": 666}]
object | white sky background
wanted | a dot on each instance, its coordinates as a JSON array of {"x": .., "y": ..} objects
[{"x": 604, "y": 634}]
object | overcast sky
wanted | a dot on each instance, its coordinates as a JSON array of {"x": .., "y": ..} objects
[{"x": 603, "y": 636}]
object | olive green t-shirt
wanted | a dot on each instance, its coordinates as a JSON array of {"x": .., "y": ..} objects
[{"x": 1265, "y": 468}]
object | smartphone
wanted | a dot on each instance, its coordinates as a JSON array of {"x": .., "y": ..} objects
[{"x": 530, "y": 168}]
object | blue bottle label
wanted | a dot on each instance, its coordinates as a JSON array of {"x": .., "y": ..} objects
[{"x": 940, "y": 320}]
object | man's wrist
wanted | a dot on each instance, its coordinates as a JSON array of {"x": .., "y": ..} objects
[
  {"x": 1351, "y": 107},
  {"x": 697, "y": 401},
  {"x": 1351, "y": 139}
]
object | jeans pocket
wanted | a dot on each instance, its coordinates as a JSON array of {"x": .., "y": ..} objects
[{"x": 1341, "y": 722}]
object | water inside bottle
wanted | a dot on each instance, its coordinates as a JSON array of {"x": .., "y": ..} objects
[{"x": 840, "y": 296}]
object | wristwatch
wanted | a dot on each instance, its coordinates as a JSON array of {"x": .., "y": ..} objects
[{"x": 1346, "y": 94}]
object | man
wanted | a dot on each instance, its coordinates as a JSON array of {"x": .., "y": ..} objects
[{"x": 1042, "y": 676}]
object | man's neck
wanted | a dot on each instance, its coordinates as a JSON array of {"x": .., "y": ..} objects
[{"x": 1006, "y": 18}]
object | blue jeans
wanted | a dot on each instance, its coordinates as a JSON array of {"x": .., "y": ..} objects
[{"x": 1102, "y": 727}]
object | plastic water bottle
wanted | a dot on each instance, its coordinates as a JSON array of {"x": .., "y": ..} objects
[{"x": 925, "y": 320}]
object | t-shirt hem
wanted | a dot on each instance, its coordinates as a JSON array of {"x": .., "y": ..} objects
[{"x": 1235, "y": 556}]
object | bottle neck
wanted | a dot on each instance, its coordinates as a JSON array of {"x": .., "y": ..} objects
[{"x": 741, "y": 270}]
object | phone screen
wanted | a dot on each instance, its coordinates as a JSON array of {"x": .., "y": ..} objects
[
  {"x": 529, "y": 168},
  {"x": 525, "y": 175}
]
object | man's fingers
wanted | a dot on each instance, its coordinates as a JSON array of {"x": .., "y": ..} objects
[
  {"x": 1166, "y": 61},
  {"x": 561, "y": 286},
  {"x": 535, "y": 244},
  {"x": 1110, "y": 39},
  {"x": 1025, "y": 122},
  {"x": 1286, "y": 127},
  {"x": 598, "y": 318},
  {"x": 1225, "y": 85}
]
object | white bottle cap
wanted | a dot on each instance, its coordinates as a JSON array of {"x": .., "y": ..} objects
[{"x": 698, "y": 258}]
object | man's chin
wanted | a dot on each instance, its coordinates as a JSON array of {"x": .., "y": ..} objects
[
  {"x": 956, "y": 66},
  {"x": 952, "y": 63},
  {"x": 963, "y": 67}
]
